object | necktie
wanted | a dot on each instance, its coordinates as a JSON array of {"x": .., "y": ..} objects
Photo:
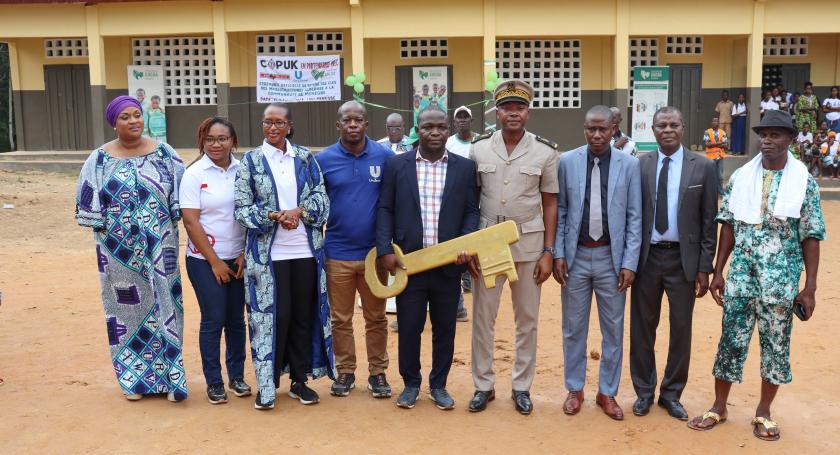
[
  {"x": 661, "y": 222},
  {"x": 596, "y": 227}
]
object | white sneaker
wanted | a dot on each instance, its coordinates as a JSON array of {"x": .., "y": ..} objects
[{"x": 134, "y": 397}]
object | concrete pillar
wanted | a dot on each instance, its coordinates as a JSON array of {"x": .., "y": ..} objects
[
  {"x": 220, "y": 42},
  {"x": 755, "y": 60},
  {"x": 621, "y": 58},
  {"x": 96, "y": 67},
  {"x": 357, "y": 36},
  {"x": 17, "y": 103},
  {"x": 488, "y": 56}
]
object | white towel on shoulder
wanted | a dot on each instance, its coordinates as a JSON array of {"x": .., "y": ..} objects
[{"x": 745, "y": 200}]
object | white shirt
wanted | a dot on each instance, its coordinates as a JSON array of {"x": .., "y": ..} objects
[
  {"x": 287, "y": 244},
  {"x": 800, "y": 138},
  {"x": 829, "y": 152},
  {"x": 629, "y": 148},
  {"x": 394, "y": 146},
  {"x": 455, "y": 145},
  {"x": 209, "y": 188},
  {"x": 739, "y": 108},
  {"x": 769, "y": 105},
  {"x": 832, "y": 102},
  {"x": 674, "y": 175}
]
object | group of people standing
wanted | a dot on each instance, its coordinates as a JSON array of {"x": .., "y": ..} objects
[{"x": 285, "y": 232}]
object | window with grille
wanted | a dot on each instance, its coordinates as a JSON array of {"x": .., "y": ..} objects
[
  {"x": 778, "y": 46},
  {"x": 189, "y": 67},
  {"x": 684, "y": 44},
  {"x": 771, "y": 76},
  {"x": 552, "y": 67},
  {"x": 324, "y": 41},
  {"x": 424, "y": 47},
  {"x": 66, "y": 47},
  {"x": 277, "y": 44},
  {"x": 643, "y": 52}
]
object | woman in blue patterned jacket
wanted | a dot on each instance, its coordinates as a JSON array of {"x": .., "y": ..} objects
[{"x": 281, "y": 201}]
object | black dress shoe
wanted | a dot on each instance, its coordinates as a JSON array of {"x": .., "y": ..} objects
[
  {"x": 480, "y": 399},
  {"x": 523, "y": 402},
  {"x": 675, "y": 409},
  {"x": 642, "y": 406}
]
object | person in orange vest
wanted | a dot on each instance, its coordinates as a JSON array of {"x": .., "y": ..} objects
[{"x": 715, "y": 140}]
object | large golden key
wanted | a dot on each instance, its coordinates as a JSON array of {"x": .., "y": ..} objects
[{"x": 491, "y": 245}]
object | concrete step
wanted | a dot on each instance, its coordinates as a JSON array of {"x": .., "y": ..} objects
[
  {"x": 59, "y": 166},
  {"x": 46, "y": 156}
]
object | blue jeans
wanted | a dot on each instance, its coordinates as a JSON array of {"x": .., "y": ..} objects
[{"x": 222, "y": 307}]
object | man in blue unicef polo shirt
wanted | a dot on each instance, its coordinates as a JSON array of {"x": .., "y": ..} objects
[{"x": 352, "y": 169}]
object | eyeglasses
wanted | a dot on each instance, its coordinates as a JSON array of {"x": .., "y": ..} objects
[
  {"x": 210, "y": 140},
  {"x": 277, "y": 123},
  {"x": 394, "y": 128}
]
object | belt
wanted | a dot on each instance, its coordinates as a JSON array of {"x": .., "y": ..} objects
[
  {"x": 593, "y": 244},
  {"x": 665, "y": 245},
  {"x": 498, "y": 219}
]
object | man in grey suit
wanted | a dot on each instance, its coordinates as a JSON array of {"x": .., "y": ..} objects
[
  {"x": 679, "y": 204},
  {"x": 599, "y": 223}
]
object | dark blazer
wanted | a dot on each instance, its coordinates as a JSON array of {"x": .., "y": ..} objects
[
  {"x": 398, "y": 217},
  {"x": 696, "y": 210}
]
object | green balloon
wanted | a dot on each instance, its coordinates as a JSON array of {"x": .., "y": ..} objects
[
  {"x": 490, "y": 86},
  {"x": 350, "y": 81},
  {"x": 492, "y": 75},
  {"x": 360, "y": 77},
  {"x": 359, "y": 88}
]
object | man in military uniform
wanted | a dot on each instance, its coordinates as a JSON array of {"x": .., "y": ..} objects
[{"x": 517, "y": 175}]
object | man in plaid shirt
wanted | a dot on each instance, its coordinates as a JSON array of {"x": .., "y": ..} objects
[{"x": 428, "y": 197}]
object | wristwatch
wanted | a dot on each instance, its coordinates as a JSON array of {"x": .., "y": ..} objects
[{"x": 549, "y": 249}]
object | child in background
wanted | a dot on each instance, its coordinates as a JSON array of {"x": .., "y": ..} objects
[
  {"x": 154, "y": 120},
  {"x": 829, "y": 154},
  {"x": 804, "y": 143},
  {"x": 820, "y": 138}
]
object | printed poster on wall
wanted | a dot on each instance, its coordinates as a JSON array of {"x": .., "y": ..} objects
[
  {"x": 296, "y": 79},
  {"x": 145, "y": 82},
  {"x": 650, "y": 92},
  {"x": 429, "y": 86}
]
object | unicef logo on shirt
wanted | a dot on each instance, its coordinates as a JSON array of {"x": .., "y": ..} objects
[{"x": 375, "y": 174}]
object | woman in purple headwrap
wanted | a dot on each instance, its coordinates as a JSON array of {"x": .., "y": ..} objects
[{"x": 128, "y": 194}]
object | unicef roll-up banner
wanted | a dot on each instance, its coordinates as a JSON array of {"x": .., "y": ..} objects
[
  {"x": 145, "y": 82},
  {"x": 650, "y": 92},
  {"x": 297, "y": 79},
  {"x": 429, "y": 86}
]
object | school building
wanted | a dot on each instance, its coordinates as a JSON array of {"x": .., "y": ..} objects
[{"x": 69, "y": 58}]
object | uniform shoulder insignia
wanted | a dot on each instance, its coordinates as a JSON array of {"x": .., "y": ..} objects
[
  {"x": 547, "y": 142},
  {"x": 482, "y": 137}
]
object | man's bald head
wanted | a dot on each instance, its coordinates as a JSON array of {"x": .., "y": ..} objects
[
  {"x": 616, "y": 114},
  {"x": 598, "y": 112},
  {"x": 354, "y": 106},
  {"x": 394, "y": 118}
]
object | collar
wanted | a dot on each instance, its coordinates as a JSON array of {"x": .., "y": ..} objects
[
  {"x": 590, "y": 157},
  {"x": 206, "y": 163},
  {"x": 443, "y": 159},
  {"x": 271, "y": 152},
  {"x": 677, "y": 156},
  {"x": 364, "y": 151}
]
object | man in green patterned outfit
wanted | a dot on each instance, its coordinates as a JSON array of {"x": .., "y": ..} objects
[{"x": 771, "y": 223}]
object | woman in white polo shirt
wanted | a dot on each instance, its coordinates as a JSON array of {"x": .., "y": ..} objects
[
  {"x": 215, "y": 256},
  {"x": 281, "y": 200}
]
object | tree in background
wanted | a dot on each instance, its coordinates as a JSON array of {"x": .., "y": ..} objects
[{"x": 6, "y": 130}]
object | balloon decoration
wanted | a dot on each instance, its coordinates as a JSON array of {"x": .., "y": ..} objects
[
  {"x": 491, "y": 81},
  {"x": 357, "y": 81}
]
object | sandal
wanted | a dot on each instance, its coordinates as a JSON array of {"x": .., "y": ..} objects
[
  {"x": 768, "y": 425},
  {"x": 694, "y": 423}
]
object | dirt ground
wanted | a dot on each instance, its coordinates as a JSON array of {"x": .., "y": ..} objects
[{"x": 61, "y": 396}]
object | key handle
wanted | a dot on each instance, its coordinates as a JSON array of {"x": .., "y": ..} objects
[{"x": 384, "y": 291}]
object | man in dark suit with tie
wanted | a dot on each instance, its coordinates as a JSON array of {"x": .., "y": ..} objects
[
  {"x": 428, "y": 197},
  {"x": 679, "y": 204}
]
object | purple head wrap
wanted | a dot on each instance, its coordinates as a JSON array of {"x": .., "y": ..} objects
[{"x": 117, "y": 105}]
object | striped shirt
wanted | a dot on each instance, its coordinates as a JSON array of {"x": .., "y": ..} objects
[{"x": 431, "y": 177}]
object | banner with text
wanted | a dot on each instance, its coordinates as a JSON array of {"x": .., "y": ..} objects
[
  {"x": 297, "y": 79},
  {"x": 650, "y": 92},
  {"x": 429, "y": 86},
  {"x": 145, "y": 82}
]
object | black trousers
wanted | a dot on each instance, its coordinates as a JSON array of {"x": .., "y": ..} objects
[
  {"x": 441, "y": 292},
  {"x": 296, "y": 303},
  {"x": 662, "y": 272}
]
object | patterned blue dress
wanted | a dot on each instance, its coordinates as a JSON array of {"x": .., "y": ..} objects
[
  {"x": 255, "y": 196},
  {"x": 132, "y": 206}
]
